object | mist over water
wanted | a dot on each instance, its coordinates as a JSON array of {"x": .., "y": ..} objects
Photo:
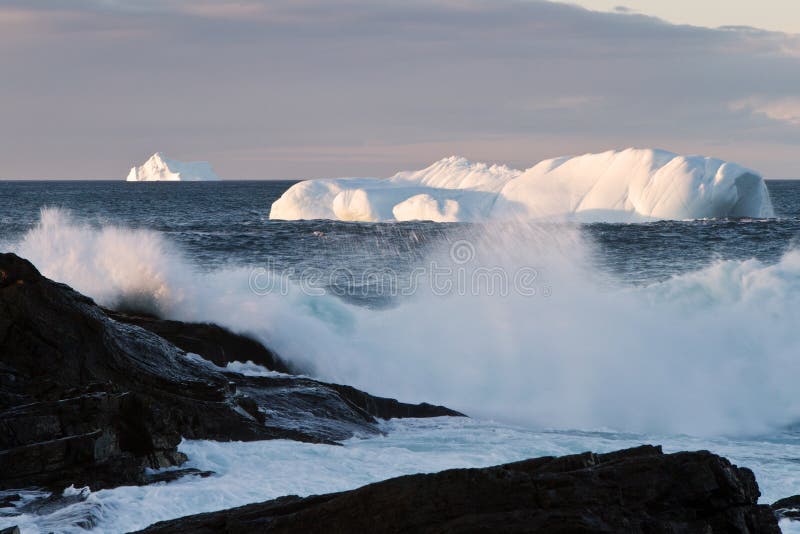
[{"x": 712, "y": 351}]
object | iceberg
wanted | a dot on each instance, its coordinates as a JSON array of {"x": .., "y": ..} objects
[
  {"x": 631, "y": 185},
  {"x": 451, "y": 190},
  {"x": 162, "y": 169}
]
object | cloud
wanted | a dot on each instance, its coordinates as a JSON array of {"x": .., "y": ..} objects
[
  {"x": 785, "y": 110},
  {"x": 371, "y": 87}
]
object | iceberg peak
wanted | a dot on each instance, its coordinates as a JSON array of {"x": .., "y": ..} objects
[
  {"x": 160, "y": 168},
  {"x": 457, "y": 172}
]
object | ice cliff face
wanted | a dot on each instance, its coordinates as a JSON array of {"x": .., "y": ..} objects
[
  {"x": 159, "y": 168},
  {"x": 618, "y": 186}
]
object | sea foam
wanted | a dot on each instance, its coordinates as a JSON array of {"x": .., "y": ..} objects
[
  {"x": 709, "y": 352},
  {"x": 262, "y": 470}
]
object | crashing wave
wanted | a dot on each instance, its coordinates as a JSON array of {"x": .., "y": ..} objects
[
  {"x": 162, "y": 169},
  {"x": 712, "y": 351},
  {"x": 632, "y": 185}
]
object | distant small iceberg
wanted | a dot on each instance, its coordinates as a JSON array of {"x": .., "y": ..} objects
[
  {"x": 632, "y": 185},
  {"x": 162, "y": 169}
]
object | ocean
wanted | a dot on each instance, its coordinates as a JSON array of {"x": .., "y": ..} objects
[{"x": 555, "y": 337}]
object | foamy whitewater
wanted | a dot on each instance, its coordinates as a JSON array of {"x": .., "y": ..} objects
[
  {"x": 570, "y": 357},
  {"x": 709, "y": 352},
  {"x": 257, "y": 471},
  {"x": 632, "y": 185}
]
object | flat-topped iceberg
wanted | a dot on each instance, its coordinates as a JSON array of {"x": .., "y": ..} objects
[
  {"x": 631, "y": 185},
  {"x": 162, "y": 169}
]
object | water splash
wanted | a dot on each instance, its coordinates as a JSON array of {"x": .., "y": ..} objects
[{"x": 710, "y": 352}]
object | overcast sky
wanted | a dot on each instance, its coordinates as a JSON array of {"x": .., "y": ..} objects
[{"x": 311, "y": 88}]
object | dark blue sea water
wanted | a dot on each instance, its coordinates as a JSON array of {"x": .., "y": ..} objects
[{"x": 223, "y": 223}]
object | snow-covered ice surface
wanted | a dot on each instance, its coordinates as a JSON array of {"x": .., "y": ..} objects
[
  {"x": 257, "y": 471},
  {"x": 632, "y": 185},
  {"x": 162, "y": 169}
]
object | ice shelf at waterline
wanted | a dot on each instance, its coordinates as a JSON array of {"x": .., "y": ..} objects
[
  {"x": 162, "y": 169},
  {"x": 631, "y": 185}
]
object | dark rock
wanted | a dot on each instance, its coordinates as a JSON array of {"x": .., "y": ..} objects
[
  {"x": 638, "y": 490},
  {"x": 175, "y": 474},
  {"x": 210, "y": 341},
  {"x": 221, "y": 346},
  {"x": 88, "y": 400},
  {"x": 788, "y": 502},
  {"x": 53, "y": 502},
  {"x": 102, "y": 438},
  {"x": 788, "y": 507},
  {"x": 10, "y": 530},
  {"x": 391, "y": 408},
  {"x": 9, "y": 499}
]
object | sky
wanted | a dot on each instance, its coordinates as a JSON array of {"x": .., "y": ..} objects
[
  {"x": 300, "y": 89},
  {"x": 774, "y": 15}
]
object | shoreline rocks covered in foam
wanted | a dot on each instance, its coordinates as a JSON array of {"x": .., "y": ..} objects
[{"x": 637, "y": 490}]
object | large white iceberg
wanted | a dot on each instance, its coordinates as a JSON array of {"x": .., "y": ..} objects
[
  {"x": 631, "y": 185},
  {"x": 162, "y": 169}
]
